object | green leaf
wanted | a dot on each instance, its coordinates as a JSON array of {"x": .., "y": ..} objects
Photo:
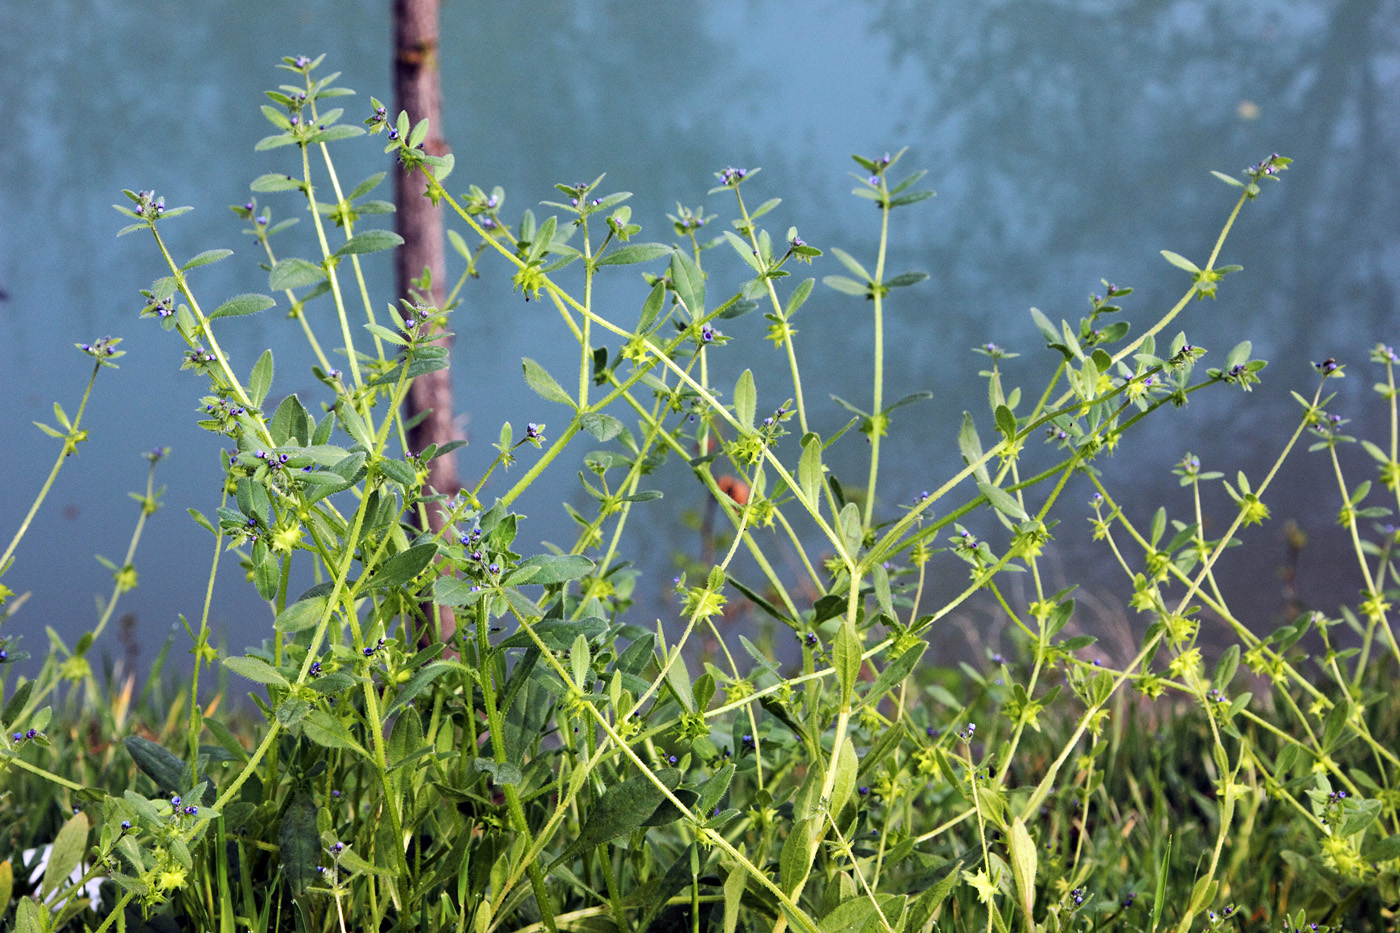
[
  {"x": 845, "y": 656},
  {"x": 1225, "y": 669},
  {"x": 798, "y": 297},
  {"x": 1002, "y": 501},
  {"x": 400, "y": 472},
  {"x": 371, "y": 241},
  {"x": 1228, "y": 179},
  {"x": 850, "y": 263},
  {"x": 858, "y": 914},
  {"x": 294, "y": 273},
  {"x": 1180, "y": 261},
  {"x": 912, "y": 197},
  {"x": 795, "y": 860},
  {"x": 7, "y": 883},
  {"x": 66, "y": 855},
  {"x": 366, "y": 186},
  {"x": 845, "y": 285},
  {"x": 602, "y": 426},
  {"x": 651, "y": 308},
  {"x": 162, "y": 766},
  {"x": 734, "y": 885},
  {"x": 809, "y": 468},
  {"x": 848, "y": 523},
  {"x": 689, "y": 284},
  {"x": 906, "y": 279},
  {"x": 292, "y": 711},
  {"x": 744, "y": 250},
  {"x": 932, "y": 898},
  {"x": 16, "y": 703},
  {"x": 502, "y": 772},
  {"x": 420, "y": 682},
  {"x": 225, "y": 737},
  {"x": 745, "y": 399},
  {"x": 299, "y": 843},
  {"x": 261, "y": 380},
  {"x": 327, "y": 731},
  {"x": 291, "y": 423},
  {"x": 622, "y": 808},
  {"x": 301, "y": 615},
  {"x": 555, "y": 634},
  {"x": 1006, "y": 422},
  {"x": 206, "y": 257},
  {"x": 544, "y": 384},
  {"x": 355, "y": 426},
  {"x": 713, "y": 790},
  {"x": 548, "y": 569},
  {"x": 847, "y": 766},
  {"x": 255, "y": 669},
  {"x": 403, "y": 566},
  {"x": 274, "y": 181},
  {"x": 542, "y": 239},
  {"x": 332, "y": 133},
  {"x": 384, "y": 333},
  {"x": 880, "y": 577},
  {"x": 759, "y": 600},
  {"x": 894, "y": 672},
  {"x": 633, "y": 252},
  {"x": 1023, "y": 865},
  {"x": 971, "y": 446},
  {"x": 242, "y": 304},
  {"x": 889, "y": 741}
]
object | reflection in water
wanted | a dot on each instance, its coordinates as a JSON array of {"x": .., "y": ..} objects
[{"x": 1068, "y": 141}]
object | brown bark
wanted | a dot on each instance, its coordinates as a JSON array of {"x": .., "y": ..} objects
[{"x": 418, "y": 91}]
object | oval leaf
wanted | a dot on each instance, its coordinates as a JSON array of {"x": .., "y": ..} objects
[
  {"x": 294, "y": 273},
  {"x": 1002, "y": 501},
  {"x": 300, "y": 616},
  {"x": 622, "y": 808},
  {"x": 544, "y": 384},
  {"x": 327, "y": 731},
  {"x": 255, "y": 669},
  {"x": 634, "y": 252},
  {"x": 206, "y": 257},
  {"x": 403, "y": 566},
  {"x": 547, "y": 569},
  {"x": 371, "y": 241},
  {"x": 745, "y": 399},
  {"x": 242, "y": 304},
  {"x": 298, "y": 843}
]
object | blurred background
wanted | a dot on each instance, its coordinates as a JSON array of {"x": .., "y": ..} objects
[{"x": 1069, "y": 141}]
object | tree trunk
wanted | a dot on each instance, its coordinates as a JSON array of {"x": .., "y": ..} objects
[{"x": 418, "y": 90}]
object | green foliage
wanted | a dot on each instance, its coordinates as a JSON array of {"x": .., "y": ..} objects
[{"x": 545, "y": 762}]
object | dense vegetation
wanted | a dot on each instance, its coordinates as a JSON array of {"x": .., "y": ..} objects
[{"x": 549, "y": 761}]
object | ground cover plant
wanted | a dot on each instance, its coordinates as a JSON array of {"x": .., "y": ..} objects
[{"x": 551, "y": 761}]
